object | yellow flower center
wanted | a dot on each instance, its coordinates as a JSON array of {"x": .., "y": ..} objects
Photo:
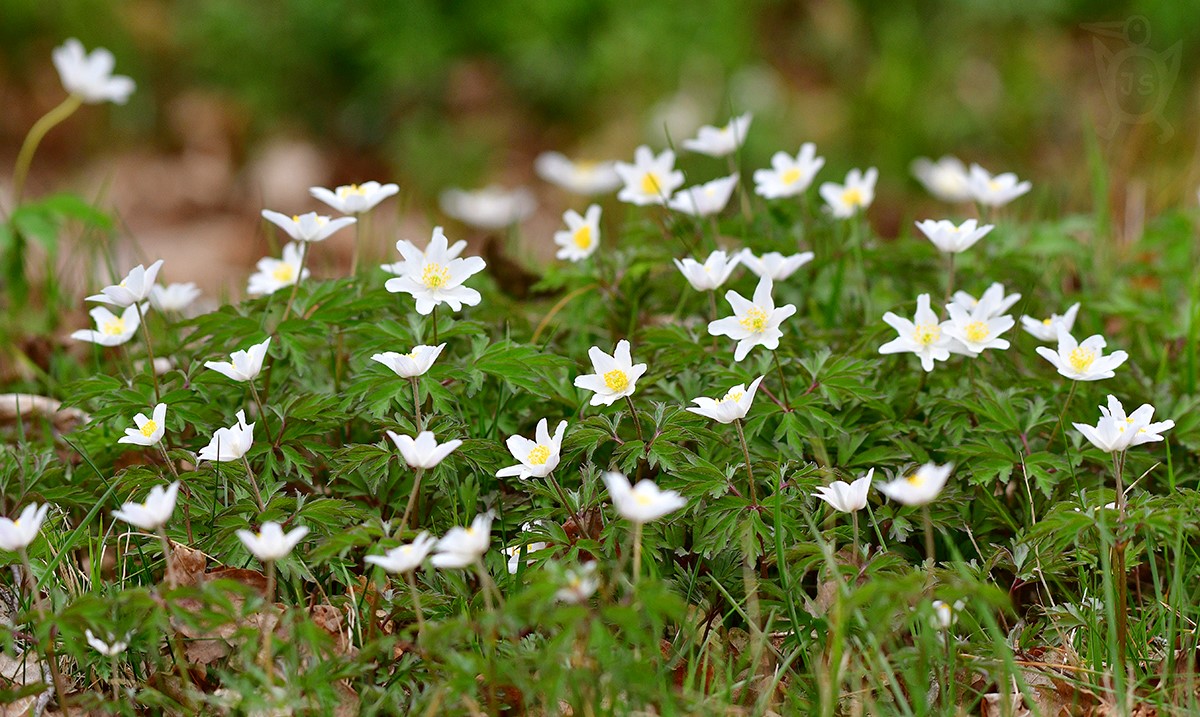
[
  {"x": 538, "y": 456},
  {"x": 755, "y": 320},
  {"x": 926, "y": 334},
  {"x": 650, "y": 184},
  {"x": 148, "y": 428},
  {"x": 113, "y": 327},
  {"x": 916, "y": 480},
  {"x": 732, "y": 396},
  {"x": 583, "y": 237},
  {"x": 642, "y": 499},
  {"x": 616, "y": 380},
  {"x": 993, "y": 185},
  {"x": 586, "y": 166},
  {"x": 411, "y": 355},
  {"x": 791, "y": 176},
  {"x": 1047, "y": 322},
  {"x": 435, "y": 276},
  {"x": 852, "y": 198},
  {"x": 1081, "y": 359},
  {"x": 284, "y": 273},
  {"x": 350, "y": 189},
  {"x": 977, "y": 331}
]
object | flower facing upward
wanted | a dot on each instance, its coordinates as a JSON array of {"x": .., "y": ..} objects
[
  {"x": 112, "y": 648},
  {"x": 705, "y": 199},
  {"x": 310, "y": 227},
  {"x": 173, "y": 297},
  {"x": 152, "y": 514},
  {"x": 582, "y": 235},
  {"x": 405, "y": 558},
  {"x": 945, "y": 179},
  {"x": 537, "y": 458},
  {"x": 229, "y": 444},
  {"x": 1047, "y": 329},
  {"x": 111, "y": 330},
  {"x": 274, "y": 274},
  {"x": 720, "y": 141},
  {"x": 773, "y": 265},
  {"x": 847, "y": 497},
  {"x": 424, "y": 451},
  {"x": 993, "y": 301},
  {"x": 924, "y": 336},
  {"x": 995, "y": 191},
  {"x": 733, "y": 406},
  {"x": 244, "y": 364},
  {"x": 414, "y": 363},
  {"x": 461, "y": 547},
  {"x": 18, "y": 534},
  {"x": 712, "y": 273},
  {"x": 845, "y": 200},
  {"x": 788, "y": 175},
  {"x": 615, "y": 376},
  {"x": 270, "y": 543},
  {"x": 1082, "y": 361},
  {"x": 355, "y": 198},
  {"x": 951, "y": 239},
  {"x": 436, "y": 276},
  {"x": 1116, "y": 432},
  {"x": 408, "y": 249},
  {"x": 89, "y": 76},
  {"x": 978, "y": 329},
  {"x": 149, "y": 431},
  {"x": 489, "y": 208},
  {"x": 918, "y": 488},
  {"x": 641, "y": 503},
  {"x": 578, "y": 177},
  {"x": 650, "y": 179},
  {"x": 578, "y": 585},
  {"x": 754, "y": 323},
  {"x": 135, "y": 287}
]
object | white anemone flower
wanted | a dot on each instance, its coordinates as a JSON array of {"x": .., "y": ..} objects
[
  {"x": 89, "y": 76},
  {"x": 513, "y": 552},
  {"x": 579, "y": 584},
  {"x": 712, "y": 273},
  {"x": 650, "y": 179},
  {"x": 919, "y": 487},
  {"x": 924, "y": 336},
  {"x": 773, "y": 265},
  {"x": 582, "y": 235},
  {"x": 111, "y": 648},
  {"x": 788, "y": 175},
  {"x": 945, "y": 614},
  {"x": 847, "y": 497},
  {"x": 733, "y": 406},
  {"x": 953, "y": 239},
  {"x": 310, "y": 227},
  {"x": 412, "y": 364},
  {"x": 489, "y": 208},
  {"x": 578, "y": 177},
  {"x": 405, "y": 558},
  {"x": 1083, "y": 361},
  {"x": 136, "y": 287},
  {"x": 407, "y": 248},
  {"x": 355, "y": 198},
  {"x": 537, "y": 457},
  {"x": 946, "y": 179},
  {"x": 641, "y": 503},
  {"x": 754, "y": 323},
  {"x": 856, "y": 194},
  {"x": 705, "y": 199},
  {"x": 615, "y": 376},
  {"x": 995, "y": 191},
  {"x": 111, "y": 330},
  {"x": 149, "y": 431},
  {"x": 229, "y": 444},
  {"x": 720, "y": 141},
  {"x": 423, "y": 451},
  {"x": 154, "y": 512},
  {"x": 173, "y": 297},
  {"x": 436, "y": 276},
  {"x": 274, "y": 274},
  {"x": 463, "y": 547},
  {"x": 270, "y": 543},
  {"x": 994, "y": 300},
  {"x": 1047, "y": 329},
  {"x": 244, "y": 364},
  {"x": 16, "y": 535},
  {"x": 1116, "y": 432},
  {"x": 978, "y": 329}
]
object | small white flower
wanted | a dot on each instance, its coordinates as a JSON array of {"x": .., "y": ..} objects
[
  {"x": 1082, "y": 361},
  {"x": 615, "y": 376},
  {"x": 274, "y": 274},
  {"x": 712, "y": 273},
  {"x": 355, "y": 198},
  {"x": 424, "y": 451},
  {"x": 773, "y": 265},
  {"x": 920, "y": 487},
  {"x": 924, "y": 335},
  {"x": 149, "y": 431},
  {"x": 650, "y": 179},
  {"x": 1116, "y": 431},
  {"x": 754, "y": 323},
  {"x": 951, "y": 239},
  {"x": 847, "y": 497},
  {"x": 731, "y": 407},
  {"x": 705, "y": 199},
  {"x": 538, "y": 457},
  {"x": 582, "y": 235},
  {"x": 979, "y": 329},
  {"x": 462, "y": 547},
  {"x": 414, "y": 363},
  {"x": 845, "y": 200},
  {"x": 154, "y": 512},
  {"x": 995, "y": 191},
  {"x": 579, "y": 584},
  {"x": 407, "y": 248},
  {"x": 18, "y": 534},
  {"x": 173, "y": 297},
  {"x": 945, "y": 179},
  {"x": 436, "y": 275},
  {"x": 244, "y": 365},
  {"x": 229, "y": 444},
  {"x": 992, "y": 303},
  {"x": 112, "y": 648},
  {"x": 643, "y": 502},
  {"x": 89, "y": 75},
  {"x": 1047, "y": 329},
  {"x": 134, "y": 288},
  {"x": 514, "y": 553},
  {"x": 788, "y": 176},
  {"x": 310, "y": 227},
  {"x": 405, "y": 558},
  {"x": 579, "y": 177},
  {"x": 720, "y": 141},
  {"x": 945, "y": 615},
  {"x": 489, "y": 208},
  {"x": 270, "y": 543},
  {"x": 111, "y": 330}
]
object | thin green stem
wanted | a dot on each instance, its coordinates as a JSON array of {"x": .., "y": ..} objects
[
  {"x": 149, "y": 351},
  {"x": 187, "y": 493},
  {"x": 172, "y": 578},
  {"x": 854, "y": 522},
  {"x": 262, "y": 411},
  {"x": 51, "y": 658},
  {"x": 269, "y": 628},
  {"x": 1062, "y": 415},
  {"x": 1120, "y": 576},
  {"x": 416, "y": 599},
  {"x": 562, "y": 495},
  {"x": 262, "y": 507},
  {"x": 637, "y": 422},
  {"x": 637, "y": 553},
  {"x": 434, "y": 321},
  {"x": 412, "y": 497},
  {"x": 485, "y": 582},
  {"x": 949, "y": 276},
  {"x": 36, "y": 133},
  {"x": 930, "y": 555},
  {"x": 287, "y": 310},
  {"x": 416, "y": 391},
  {"x": 358, "y": 239},
  {"x": 737, "y": 422},
  {"x": 783, "y": 389}
]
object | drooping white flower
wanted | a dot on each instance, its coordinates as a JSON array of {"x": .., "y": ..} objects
[
  {"x": 924, "y": 335},
  {"x": 945, "y": 615},
  {"x": 270, "y": 543},
  {"x": 650, "y": 179},
  {"x": 134, "y": 288},
  {"x": 18, "y": 534},
  {"x": 173, "y": 297},
  {"x": 489, "y": 208},
  {"x": 424, "y": 451},
  {"x": 731, "y": 407},
  {"x": 788, "y": 175},
  {"x": 274, "y": 274},
  {"x": 994, "y": 301},
  {"x": 641, "y": 503},
  {"x": 407, "y": 248},
  {"x": 952, "y": 239},
  {"x": 712, "y": 273},
  {"x": 513, "y": 552},
  {"x": 414, "y": 363},
  {"x": 405, "y": 558},
  {"x": 705, "y": 199},
  {"x": 945, "y": 179},
  {"x": 111, "y": 330},
  {"x": 857, "y": 193},
  {"x": 1116, "y": 431},
  {"x": 579, "y": 584},
  {"x": 847, "y": 497},
  {"x": 310, "y": 227},
  {"x": 578, "y": 177},
  {"x": 229, "y": 444},
  {"x": 112, "y": 648},
  {"x": 773, "y": 265},
  {"x": 995, "y": 191},
  {"x": 1082, "y": 361},
  {"x": 754, "y": 323},
  {"x": 978, "y": 329},
  {"x": 244, "y": 364},
  {"x": 615, "y": 376},
  {"x": 582, "y": 235},
  {"x": 1047, "y": 329},
  {"x": 89, "y": 76},
  {"x": 436, "y": 276},
  {"x": 355, "y": 198},
  {"x": 154, "y": 512},
  {"x": 920, "y": 487},
  {"x": 538, "y": 457},
  {"x": 720, "y": 141},
  {"x": 462, "y": 547},
  {"x": 149, "y": 431}
]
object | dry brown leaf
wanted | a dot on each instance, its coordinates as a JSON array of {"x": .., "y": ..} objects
[{"x": 188, "y": 564}]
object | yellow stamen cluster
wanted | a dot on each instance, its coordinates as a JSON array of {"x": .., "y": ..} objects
[
  {"x": 852, "y": 198},
  {"x": 284, "y": 273},
  {"x": 755, "y": 320},
  {"x": 148, "y": 428},
  {"x": 641, "y": 498},
  {"x": 435, "y": 276},
  {"x": 791, "y": 176},
  {"x": 538, "y": 456},
  {"x": 114, "y": 327},
  {"x": 1081, "y": 359},
  {"x": 915, "y": 480},
  {"x": 616, "y": 380},
  {"x": 977, "y": 331},
  {"x": 650, "y": 184},
  {"x": 583, "y": 237},
  {"x": 926, "y": 334},
  {"x": 732, "y": 397},
  {"x": 350, "y": 189}
]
